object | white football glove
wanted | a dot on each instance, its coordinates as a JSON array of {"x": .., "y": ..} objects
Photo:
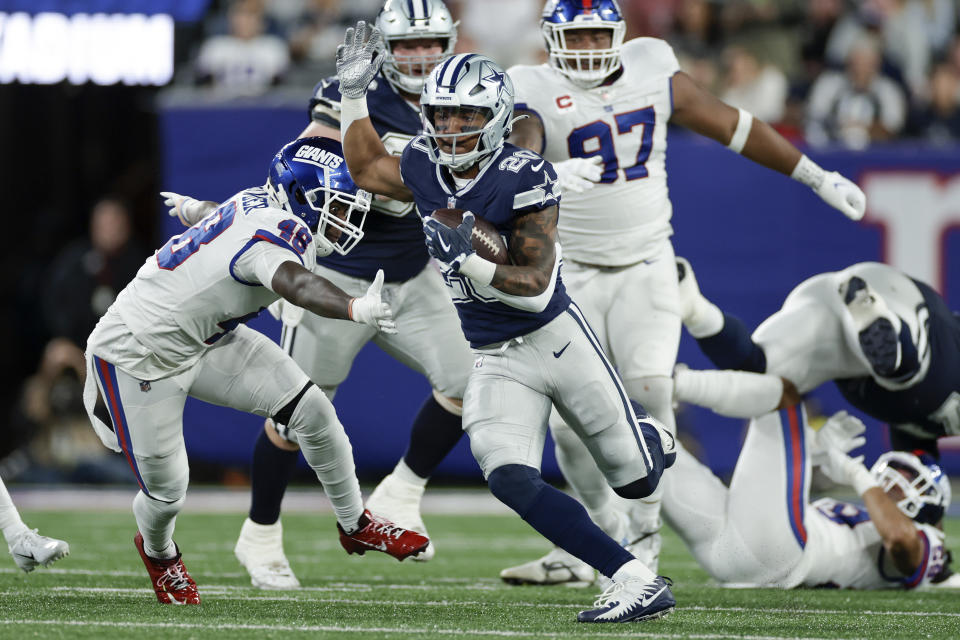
[
  {"x": 842, "y": 194},
  {"x": 841, "y": 434},
  {"x": 188, "y": 210},
  {"x": 371, "y": 310},
  {"x": 359, "y": 59},
  {"x": 579, "y": 174}
]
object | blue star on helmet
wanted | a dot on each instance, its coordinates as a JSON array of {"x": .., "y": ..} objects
[{"x": 494, "y": 76}]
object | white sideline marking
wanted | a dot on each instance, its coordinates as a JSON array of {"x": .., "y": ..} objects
[
  {"x": 223, "y": 592},
  {"x": 405, "y": 630}
]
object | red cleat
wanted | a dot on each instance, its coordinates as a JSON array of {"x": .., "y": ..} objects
[
  {"x": 378, "y": 534},
  {"x": 171, "y": 582}
]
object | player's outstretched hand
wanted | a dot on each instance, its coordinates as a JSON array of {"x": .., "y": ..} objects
[
  {"x": 373, "y": 311},
  {"x": 183, "y": 207},
  {"x": 843, "y": 194},
  {"x": 579, "y": 174},
  {"x": 452, "y": 246},
  {"x": 359, "y": 59},
  {"x": 840, "y": 467},
  {"x": 842, "y": 432}
]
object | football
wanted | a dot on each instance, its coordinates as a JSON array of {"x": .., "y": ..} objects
[{"x": 486, "y": 239}]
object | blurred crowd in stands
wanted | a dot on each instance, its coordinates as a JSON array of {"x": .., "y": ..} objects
[{"x": 846, "y": 72}]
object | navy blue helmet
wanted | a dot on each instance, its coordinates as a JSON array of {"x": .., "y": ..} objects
[{"x": 309, "y": 178}]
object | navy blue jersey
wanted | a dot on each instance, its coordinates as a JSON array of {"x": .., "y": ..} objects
[
  {"x": 513, "y": 183},
  {"x": 932, "y": 404},
  {"x": 393, "y": 235}
]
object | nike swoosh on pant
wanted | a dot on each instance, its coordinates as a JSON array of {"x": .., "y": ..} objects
[{"x": 557, "y": 354}]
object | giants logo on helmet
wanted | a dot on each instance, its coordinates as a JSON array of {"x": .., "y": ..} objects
[{"x": 319, "y": 157}]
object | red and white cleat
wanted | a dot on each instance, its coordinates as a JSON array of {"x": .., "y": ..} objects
[
  {"x": 171, "y": 582},
  {"x": 377, "y": 534}
]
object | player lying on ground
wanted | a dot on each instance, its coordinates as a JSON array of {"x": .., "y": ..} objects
[
  {"x": 762, "y": 530},
  {"x": 889, "y": 343},
  {"x": 418, "y": 35},
  {"x": 533, "y": 347},
  {"x": 599, "y": 110},
  {"x": 177, "y": 330},
  {"x": 28, "y": 548}
]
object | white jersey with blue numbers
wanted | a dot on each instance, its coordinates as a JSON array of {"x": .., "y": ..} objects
[
  {"x": 200, "y": 285},
  {"x": 624, "y": 217},
  {"x": 845, "y": 550},
  {"x": 511, "y": 183}
]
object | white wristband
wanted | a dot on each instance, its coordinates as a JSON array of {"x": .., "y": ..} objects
[
  {"x": 742, "y": 132},
  {"x": 479, "y": 270},
  {"x": 863, "y": 481},
  {"x": 809, "y": 173},
  {"x": 351, "y": 110}
]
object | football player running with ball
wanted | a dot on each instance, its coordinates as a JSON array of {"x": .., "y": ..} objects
[
  {"x": 532, "y": 345},
  {"x": 418, "y": 35},
  {"x": 599, "y": 109},
  {"x": 177, "y": 330}
]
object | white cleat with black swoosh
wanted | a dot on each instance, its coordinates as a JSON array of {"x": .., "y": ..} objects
[{"x": 30, "y": 549}]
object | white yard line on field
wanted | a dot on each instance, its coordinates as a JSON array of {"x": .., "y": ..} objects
[
  {"x": 228, "y": 592},
  {"x": 418, "y": 632}
]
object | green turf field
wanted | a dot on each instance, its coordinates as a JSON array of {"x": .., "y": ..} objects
[{"x": 101, "y": 591}]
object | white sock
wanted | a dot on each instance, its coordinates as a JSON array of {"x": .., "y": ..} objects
[
  {"x": 327, "y": 449},
  {"x": 705, "y": 320},
  {"x": 10, "y": 521},
  {"x": 262, "y": 534},
  {"x": 633, "y": 569},
  {"x": 406, "y": 474},
  {"x": 156, "y": 520},
  {"x": 737, "y": 394}
]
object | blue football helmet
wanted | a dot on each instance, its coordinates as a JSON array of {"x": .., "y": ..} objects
[
  {"x": 586, "y": 68},
  {"x": 925, "y": 487},
  {"x": 309, "y": 178}
]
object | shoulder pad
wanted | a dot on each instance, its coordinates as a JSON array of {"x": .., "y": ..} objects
[{"x": 653, "y": 55}]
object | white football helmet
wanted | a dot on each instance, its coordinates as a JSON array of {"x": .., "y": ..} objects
[
  {"x": 586, "y": 68},
  {"x": 400, "y": 20},
  {"x": 925, "y": 487},
  {"x": 479, "y": 91}
]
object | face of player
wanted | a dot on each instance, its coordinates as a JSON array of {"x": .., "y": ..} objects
[
  {"x": 417, "y": 56},
  {"x": 458, "y": 120},
  {"x": 588, "y": 40},
  {"x": 894, "y": 491},
  {"x": 339, "y": 210}
]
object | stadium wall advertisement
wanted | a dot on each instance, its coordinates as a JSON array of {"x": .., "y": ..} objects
[{"x": 751, "y": 235}]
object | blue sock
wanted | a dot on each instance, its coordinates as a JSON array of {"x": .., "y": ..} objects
[
  {"x": 270, "y": 474},
  {"x": 557, "y": 517},
  {"x": 435, "y": 432},
  {"x": 733, "y": 348}
]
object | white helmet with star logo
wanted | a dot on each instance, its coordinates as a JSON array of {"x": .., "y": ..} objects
[{"x": 466, "y": 109}]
